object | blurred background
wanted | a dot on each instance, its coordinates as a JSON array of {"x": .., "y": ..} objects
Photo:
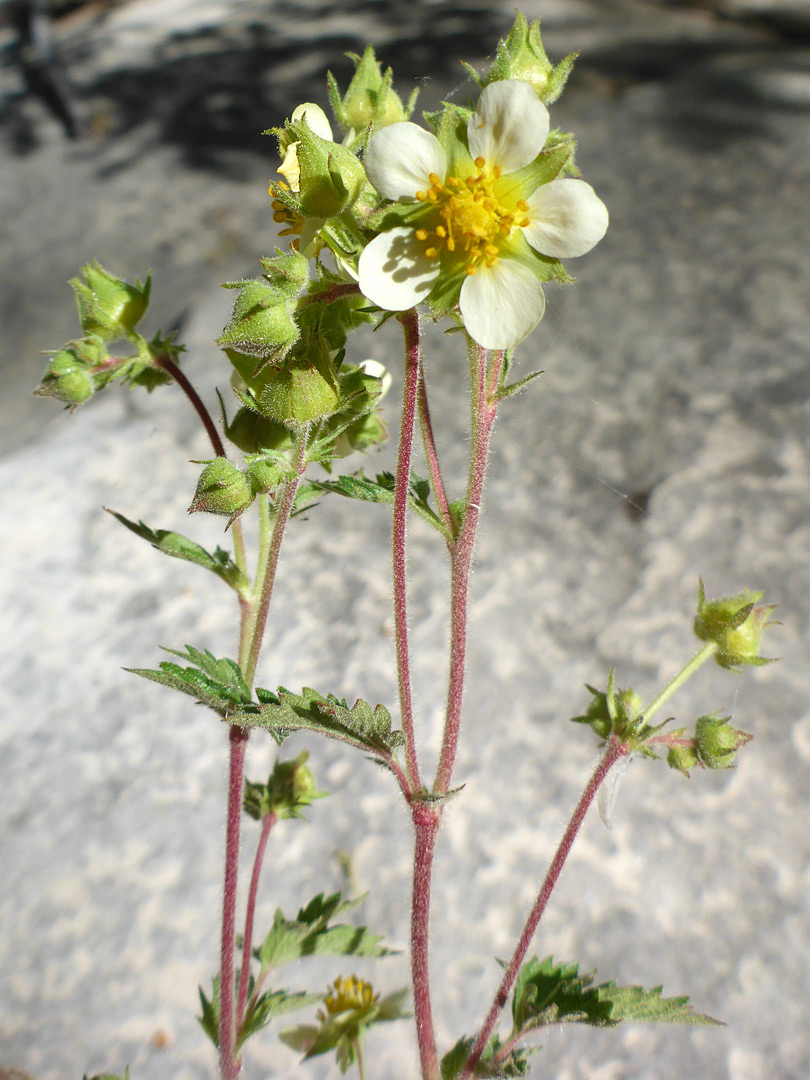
[{"x": 668, "y": 438}]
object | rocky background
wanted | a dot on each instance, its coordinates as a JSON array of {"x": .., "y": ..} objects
[{"x": 668, "y": 438}]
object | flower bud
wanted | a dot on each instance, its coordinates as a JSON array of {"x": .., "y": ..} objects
[
  {"x": 266, "y": 474},
  {"x": 616, "y": 712},
  {"x": 296, "y": 394},
  {"x": 67, "y": 378},
  {"x": 682, "y": 757},
  {"x": 290, "y": 787},
  {"x": 717, "y": 742},
  {"x": 736, "y": 624},
  {"x": 253, "y": 433},
  {"x": 317, "y": 121},
  {"x": 108, "y": 306},
  {"x": 222, "y": 489},
  {"x": 261, "y": 326},
  {"x": 330, "y": 176},
  {"x": 370, "y": 97},
  {"x": 521, "y": 55}
]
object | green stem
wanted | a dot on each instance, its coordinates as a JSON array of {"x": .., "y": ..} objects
[
  {"x": 689, "y": 669},
  {"x": 361, "y": 1064}
]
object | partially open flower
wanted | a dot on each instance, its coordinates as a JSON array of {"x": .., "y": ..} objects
[{"x": 495, "y": 219}]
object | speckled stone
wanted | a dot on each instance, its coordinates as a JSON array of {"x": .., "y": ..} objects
[{"x": 668, "y": 438}]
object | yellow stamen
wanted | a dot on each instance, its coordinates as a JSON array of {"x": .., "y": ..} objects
[{"x": 422, "y": 234}]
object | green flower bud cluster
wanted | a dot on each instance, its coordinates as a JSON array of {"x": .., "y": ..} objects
[
  {"x": 613, "y": 712},
  {"x": 715, "y": 745},
  {"x": 289, "y": 788},
  {"x": 521, "y": 55},
  {"x": 735, "y": 624},
  {"x": 109, "y": 310}
]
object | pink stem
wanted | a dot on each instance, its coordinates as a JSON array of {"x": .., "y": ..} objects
[
  {"x": 431, "y": 455},
  {"x": 229, "y": 1063},
  {"x": 268, "y": 821},
  {"x": 615, "y": 750},
  {"x": 461, "y": 553},
  {"x": 169, "y": 366},
  {"x": 426, "y": 826},
  {"x": 410, "y": 322}
]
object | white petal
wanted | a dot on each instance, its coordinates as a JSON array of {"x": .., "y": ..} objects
[
  {"x": 567, "y": 218},
  {"x": 509, "y": 126},
  {"x": 501, "y": 306},
  {"x": 400, "y": 158},
  {"x": 315, "y": 118},
  {"x": 394, "y": 272}
]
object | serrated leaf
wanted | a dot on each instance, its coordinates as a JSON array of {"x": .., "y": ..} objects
[
  {"x": 219, "y": 684},
  {"x": 549, "y": 993},
  {"x": 636, "y": 1004},
  {"x": 381, "y": 490},
  {"x": 285, "y": 712},
  {"x": 180, "y": 547},
  {"x": 209, "y": 1009},
  {"x": 310, "y": 934},
  {"x": 514, "y": 1064}
]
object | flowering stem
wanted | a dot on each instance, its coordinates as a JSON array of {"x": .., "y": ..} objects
[
  {"x": 266, "y": 574},
  {"x": 426, "y": 826},
  {"x": 615, "y": 750},
  {"x": 229, "y": 1063},
  {"x": 410, "y": 323},
  {"x": 432, "y": 456},
  {"x": 168, "y": 365},
  {"x": 689, "y": 669},
  {"x": 268, "y": 821},
  {"x": 361, "y": 1064},
  {"x": 461, "y": 553}
]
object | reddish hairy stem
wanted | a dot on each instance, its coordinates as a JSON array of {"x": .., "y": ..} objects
[
  {"x": 615, "y": 750},
  {"x": 461, "y": 553},
  {"x": 426, "y": 826},
  {"x": 229, "y": 1063},
  {"x": 268, "y": 821},
  {"x": 410, "y": 323}
]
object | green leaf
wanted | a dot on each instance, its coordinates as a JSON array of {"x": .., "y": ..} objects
[
  {"x": 285, "y": 712},
  {"x": 219, "y": 684},
  {"x": 514, "y": 1064},
  {"x": 268, "y": 1006},
  {"x": 209, "y": 1012},
  {"x": 548, "y": 993},
  {"x": 310, "y": 934},
  {"x": 636, "y": 1004},
  {"x": 180, "y": 547},
  {"x": 381, "y": 490}
]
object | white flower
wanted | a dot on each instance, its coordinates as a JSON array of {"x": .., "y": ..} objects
[{"x": 489, "y": 217}]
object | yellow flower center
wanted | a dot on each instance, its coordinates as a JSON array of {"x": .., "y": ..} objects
[
  {"x": 470, "y": 217},
  {"x": 282, "y": 215},
  {"x": 351, "y": 993}
]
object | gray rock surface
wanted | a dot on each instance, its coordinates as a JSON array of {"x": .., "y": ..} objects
[{"x": 668, "y": 438}]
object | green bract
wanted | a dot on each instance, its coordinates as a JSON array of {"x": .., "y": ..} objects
[
  {"x": 370, "y": 98},
  {"x": 521, "y": 55},
  {"x": 108, "y": 306},
  {"x": 222, "y": 489}
]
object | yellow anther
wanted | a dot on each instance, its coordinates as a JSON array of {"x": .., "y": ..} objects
[
  {"x": 279, "y": 217},
  {"x": 523, "y": 223},
  {"x": 451, "y": 244},
  {"x": 522, "y": 205},
  {"x": 471, "y": 269},
  {"x": 432, "y": 195},
  {"x": 480, "y": 162},
  {"x": 421, "y": 195},
  {"x": 440, "y": 231},
  {"x": 496, "y": 171},
  {"x": 491, "y": 249},
  {"x": 491, "y": 262},
  {"x": 421, "y": 234},
  {"x": 431, "y": 252},
  {"x": 435, "y": 179}
]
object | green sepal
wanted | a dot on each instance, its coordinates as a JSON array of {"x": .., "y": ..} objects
[
  {"x": 546, "y": 167},
  {"x": 68, "y": 378},
  {"x": 369, "y": 98},
  {"x": 331, "y": 176},
  {"x": 284, "y": 712},
  {"x": 310, "y": 934},
  {"x": 180, "y": 547},
  {"x": 268, "y": 1006},
  {"x": 261, "y": 327},
  {"x": 219, "y": 684}
]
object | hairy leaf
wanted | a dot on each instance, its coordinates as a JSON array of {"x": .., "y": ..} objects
[
  {"x": 219, "y": 684},
  {"x": 285, "y": 712},
  {"x": 381, "y": 490},
  {"x": 180, "y": 547},
  {"x": 547, "y": 993},
  {"x": 310, "y": 934},
  {"x": 636, "y": 1004},
  {"x": 268, "y": 1006}
]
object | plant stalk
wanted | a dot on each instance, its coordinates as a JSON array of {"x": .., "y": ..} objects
[
  {"x": 615, "y": 749},
  {"x": 229, "y": 1063},
  {"x": 426, "y": 827},
  {"x": 268, "y": 821},
  {"x": 675, "y": 683}
]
